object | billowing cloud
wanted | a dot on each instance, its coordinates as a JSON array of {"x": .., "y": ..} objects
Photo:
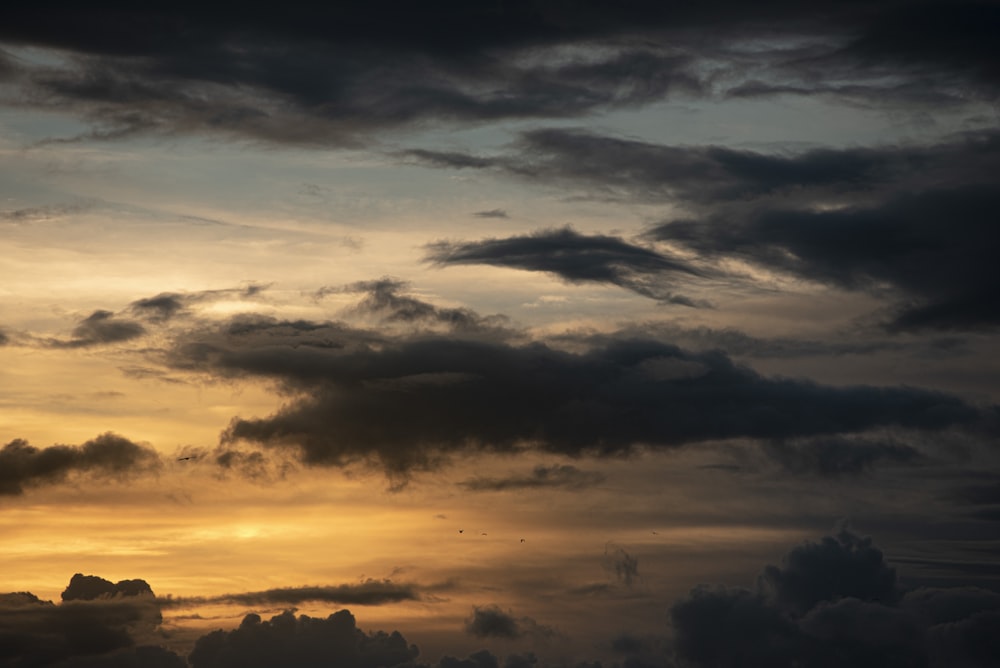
[
  {"x": 167, "y": 305},
  {"x": 301, "y": 641},
  {"x": 576, "y": 258},
  {"x": 83, "y": 628},
  {"x": 836, "y": 602},
  {"x": 491, "y": 622},
  {"x": 23, "y": 465},
  {"x": 560, "y": 476},
  {"x": 91, "y": 587}
]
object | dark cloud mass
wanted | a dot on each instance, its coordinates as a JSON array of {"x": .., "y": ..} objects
[
  {"x": 935, "y": 247},
  {"x": 287, "y": 640},
  {"x": 835, "y": 603},
  {"x": 91, "y": 587},
  {"x": 338, "y": 76},
  {"x": 23, "y": 465},
  {"x": 575, "y": 258},
  {"x": 448, "y": 395}
]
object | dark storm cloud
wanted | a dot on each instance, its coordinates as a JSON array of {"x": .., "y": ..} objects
[
  {"x": 835, "y": 603},
  {"x": 491, "y": 622},
  {"x": 575, "y": 258},
  {"x": 287, "y": 640},
  {"x": 38, "y": 633},
  {"x": 318, "y": 75},
  {"x": 936, "y": 248},
  {"x": 23, "y": 465},
  {"x": 99, "y": 328},
  {"x": 369, "y": 592},
  {"x": 560, "y": 476},
  {"x": 447, "y": 394}
]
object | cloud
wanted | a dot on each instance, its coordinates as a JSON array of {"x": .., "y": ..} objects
[
  {"x": 100, "y": 328},
  {"x": 831, "y": 457},
  {"x": 91, "y": 587},
  {"x": 384, "y": 299},
  {"x": 564, "y": 476},
  {"x": 492, "y": 213},
  {"x": 344, "y": 76},
  {"x": 23, "y": 465},
  {"x": 836, "y": 602},
  {"x": 167, "y": 305},
  {"x": 447, "y": 394},
  {"x": 369, "y": 592},
  {"x": 575, "y": 258},
  {"x": 934, "y": 247},
  {"x": 492, "y": 622},
  {"x": 630, "y": 170},
  {"x": 301, "y": 641},
  {"x": 89, "y": 629}
]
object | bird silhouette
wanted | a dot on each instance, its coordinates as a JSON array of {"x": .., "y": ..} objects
[{"x": 461, "y": 531}]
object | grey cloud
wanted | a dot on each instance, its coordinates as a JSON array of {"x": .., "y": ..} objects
[
  {"x": 831, "y": 457},
  {"x": 99, "y": 328},
  {"x": 167, "y": 305},
  {"x": 369, "y": 592},
  {"x": 23, "y": 465},
  {"x": 834, "y": 603},
  {"x": 935, "y": 248},
  {"x": 563, "y": 476},
  {"x": 575, "y": 258},
  {"x": 492, "y": 213},
  {"x": 38, "y": 633},
  {"x": 91, "y": 587},
  {"x": 630, "y": 170},
  {"x": 301, "y": 641},
  {"x": 340, "y": 76},
  {"x": 384, "y": 298},
  {"x": 491, "y": 622},
  {"x": 444, "y": 394}
]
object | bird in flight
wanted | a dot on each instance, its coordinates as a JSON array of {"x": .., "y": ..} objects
[
  {"x": 182, "y": 459},
  {"x": 522, "y": 540},
  {"x": 461, "y": 531}
]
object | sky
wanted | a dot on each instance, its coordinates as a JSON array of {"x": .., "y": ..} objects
[{"x": 515, "y": 334}]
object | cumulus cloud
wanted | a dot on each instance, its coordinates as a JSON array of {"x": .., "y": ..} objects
[
  {"x": 836, "y": 602},
  {"x": 564, "y": 476},
  {"x": 90, "y": 627},
  {"x": 491, "y": 622},
  {"x": 576, "y": 258},
  {"x": 301, "y": 641},
  {"x": 23, "y": 465}
]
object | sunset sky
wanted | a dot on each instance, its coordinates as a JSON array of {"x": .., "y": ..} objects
[{"x": 639, "y": 334}]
